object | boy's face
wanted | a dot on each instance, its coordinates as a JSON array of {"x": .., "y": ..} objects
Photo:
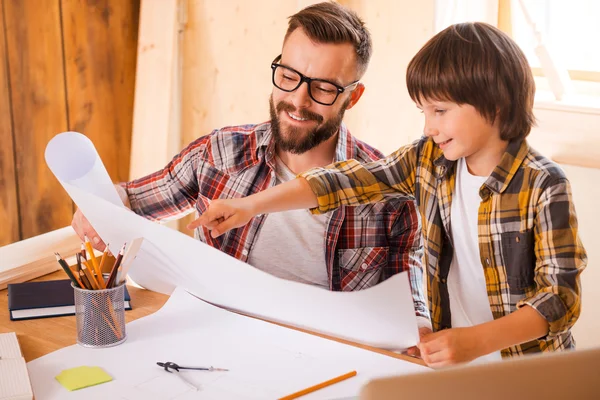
[
  {"x": 299, "y": 123},
  {"x": 460, "y": 131}
]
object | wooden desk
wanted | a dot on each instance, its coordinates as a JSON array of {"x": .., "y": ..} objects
[{"x": 39, "y": 337}]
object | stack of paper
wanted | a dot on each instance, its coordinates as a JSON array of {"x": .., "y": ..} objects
[
  {"x": 33, "y": 257},
  {"x": 14, "y": 379}
]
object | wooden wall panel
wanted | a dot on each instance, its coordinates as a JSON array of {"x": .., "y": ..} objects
[
  {"x": 100, "y": 44},
  {"x": 156, "y": 116},
  {"x": 34, "y": 45},
  {"x": 9, "y": 212}
]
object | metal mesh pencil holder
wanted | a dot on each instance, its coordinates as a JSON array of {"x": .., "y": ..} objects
[{"x": 100, "y": 316}]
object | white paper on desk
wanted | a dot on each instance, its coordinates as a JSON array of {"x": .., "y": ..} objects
[
  {"x": 265, "y": 361},
  {"x": 381, "y": 316}
]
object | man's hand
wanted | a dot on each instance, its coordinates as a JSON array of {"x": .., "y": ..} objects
[
  {"x": 451, "y": 346},
  {"x": 83, "y": 228},
  {"x": 224, "y": 215}
]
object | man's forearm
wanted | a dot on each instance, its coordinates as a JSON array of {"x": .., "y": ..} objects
[{"x": 521, "y": 326}]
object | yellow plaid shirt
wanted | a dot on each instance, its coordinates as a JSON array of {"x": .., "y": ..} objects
[{"x": 529, "y": 244}]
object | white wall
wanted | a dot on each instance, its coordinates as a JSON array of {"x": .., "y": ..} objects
[{"x": 565, "y": 133}]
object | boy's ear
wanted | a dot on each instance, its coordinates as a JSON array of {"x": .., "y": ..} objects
[{"x": 356, "y": 95}]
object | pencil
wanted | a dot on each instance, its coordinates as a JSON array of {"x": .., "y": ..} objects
[
  {"x": 113, "y": 271},
  {"x": 85, "y": 281},
  {"x": 66, "y": 268},
  {"x": 92, "y": 256},
  {"x": 319, "y": 386},
  {"x": 90, "y": 276},
  {"x": 103, "y": 259},
  {"x": 82, "y": 277},
  {"x": 83, "y": 252}
]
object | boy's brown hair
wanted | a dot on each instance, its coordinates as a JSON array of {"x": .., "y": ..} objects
[
  {"x": 330, "y": 22},
  {"x": 476, "y": 64}
]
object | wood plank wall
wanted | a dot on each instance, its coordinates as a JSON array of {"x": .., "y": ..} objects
[
  {"x": 9, "y": 231},
  {"x": 37, "y": 93},
  {"x": 67, "y": 65}
]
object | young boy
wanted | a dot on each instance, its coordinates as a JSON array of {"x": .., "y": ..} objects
[{"x": 502, "y": 250}]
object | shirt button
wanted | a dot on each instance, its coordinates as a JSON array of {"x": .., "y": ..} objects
[
  {"x": 245, "y": 252},
  {"x": 444, "y": 280},
  {"x": 487, "y": 261},
  {"x": 364, "y": 266}
]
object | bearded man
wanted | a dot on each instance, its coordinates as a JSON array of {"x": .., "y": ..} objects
[{"x": 316, "y": 78}]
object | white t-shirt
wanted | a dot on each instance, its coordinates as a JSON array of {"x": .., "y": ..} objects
[
  {"x": 291, "y": 244},
  {"x": 469, "y": 303}
]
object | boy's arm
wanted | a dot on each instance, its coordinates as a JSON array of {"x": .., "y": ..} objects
[
  {"x": 351, "y": 183},
  {"x": 224, "y": 215},
  {"x": 406, "y": 253},
  {"x": 321, "y": 189},
  {"x": 556, "y": 303},
  {"x": 458, "y": 345},
  {"x": 560, "y": 259}
]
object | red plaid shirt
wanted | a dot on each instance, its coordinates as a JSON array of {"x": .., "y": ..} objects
[{"x": 364, "y": 245}]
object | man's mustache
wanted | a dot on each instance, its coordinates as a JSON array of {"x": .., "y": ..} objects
[{"x": 283, "y": 106}]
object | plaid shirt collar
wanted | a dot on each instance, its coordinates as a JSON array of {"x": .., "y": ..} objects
[{"x": 502, "y": 175}]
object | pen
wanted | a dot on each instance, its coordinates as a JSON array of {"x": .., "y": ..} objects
[{"x": 319, "y": 386}]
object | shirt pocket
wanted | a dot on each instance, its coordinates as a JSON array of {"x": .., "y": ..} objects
[
  {"x": 361, "y": 268},
  {"x": 519, "y": 259}
]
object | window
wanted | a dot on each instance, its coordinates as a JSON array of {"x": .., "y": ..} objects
[{"x": 569, "y": 30}]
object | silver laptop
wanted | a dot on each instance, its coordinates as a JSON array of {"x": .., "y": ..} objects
[{"x": 566, "y": 375}]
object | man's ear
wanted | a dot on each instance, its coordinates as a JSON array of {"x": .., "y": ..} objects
[{"x": 356, "y": 95}]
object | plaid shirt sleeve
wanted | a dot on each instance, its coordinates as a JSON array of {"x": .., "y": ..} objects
[
  {"x": 172, "y": 192},
  {"x": 352, "y": 183},
  {"x": 406, "y": 228},
  {"x": 560, "y": 259}
]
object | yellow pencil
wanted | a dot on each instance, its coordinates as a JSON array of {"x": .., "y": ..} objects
[
  {"x": 92, "y": 257},
  {"x": 90, "y": 276},
  {"x": 103, "y": 259},
  {"x": 319, "y": 386}
]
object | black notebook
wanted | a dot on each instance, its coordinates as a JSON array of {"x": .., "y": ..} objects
[{"x": 45, "y": 299}]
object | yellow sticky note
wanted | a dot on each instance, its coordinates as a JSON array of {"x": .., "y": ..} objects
[{"x": 81, "y": 377}]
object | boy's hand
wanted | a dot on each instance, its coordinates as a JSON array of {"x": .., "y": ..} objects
[
  {"x": 451, "y": 346},
  {"x": 224, "y": 215},
  {"x": 414, "y": 351}
]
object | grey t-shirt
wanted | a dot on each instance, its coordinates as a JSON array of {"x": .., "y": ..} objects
[{"x": 291, "y": 244}]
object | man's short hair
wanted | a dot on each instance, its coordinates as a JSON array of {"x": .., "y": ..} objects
[
  {"x": 330, "y": 22},
  {"x": 476, "y": 64}
]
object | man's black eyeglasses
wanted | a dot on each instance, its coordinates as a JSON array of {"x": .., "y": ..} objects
[{"x": 321, "y": 91}]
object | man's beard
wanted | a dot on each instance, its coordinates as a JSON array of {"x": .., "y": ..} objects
[{"x": 298, "y": 141}]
